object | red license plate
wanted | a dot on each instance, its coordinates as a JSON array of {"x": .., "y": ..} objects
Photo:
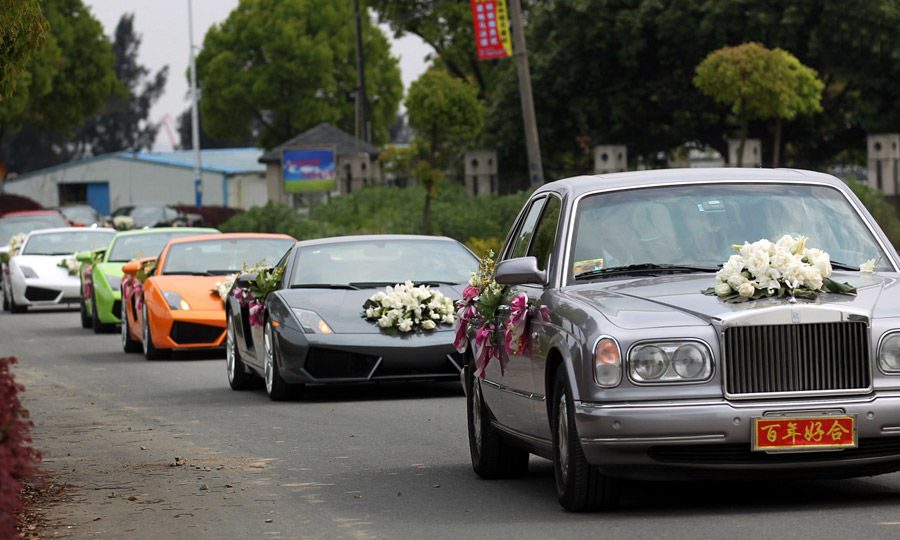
[{"x": 785, "y": 433}]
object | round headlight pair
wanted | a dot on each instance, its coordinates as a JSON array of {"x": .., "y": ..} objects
[{"x": 670, "y": 362}]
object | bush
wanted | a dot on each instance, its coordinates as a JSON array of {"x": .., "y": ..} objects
[
  {"x": 276, "y": 218},
  {"x": 16, "y": 203},
  {"x": 18, "y": 460}
]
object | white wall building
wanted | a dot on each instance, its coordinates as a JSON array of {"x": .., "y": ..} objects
[{"x": 230, "y": 177}]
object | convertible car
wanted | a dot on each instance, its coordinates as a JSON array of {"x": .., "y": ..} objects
[
  {"x": 688, "y": 323},
  {"x": 101, "y": 271},
  {"x": 34, "y": 275},
  {"x": 177, "y": 305},
  {"x": 312, "y": 327}
]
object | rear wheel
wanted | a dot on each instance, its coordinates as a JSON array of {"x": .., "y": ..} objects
[
  {"x": 580, "y": 486},
  {"x": 150, "y": 351},
  {"x": 129, "y": 345},
  {"x": 492, "y": 455},
  {"x": 238, "y": 378}
]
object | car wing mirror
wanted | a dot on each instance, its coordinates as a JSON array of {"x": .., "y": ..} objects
[
  {"x": 244, "y": 280},
  {"x": 519, "y": 271},
  {"x": 84, "y": 256},
  {"x": 133, "y": 267}
]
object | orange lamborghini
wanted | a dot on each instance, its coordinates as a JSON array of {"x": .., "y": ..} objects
[{"x": 177, "y": 306}]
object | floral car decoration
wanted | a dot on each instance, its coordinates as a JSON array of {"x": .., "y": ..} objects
[
  {"x": 122, "y": 223},
  {"x": 254, "y": 296},
  {"x": 87, "y": 274},
  {"x": 478, "y": 309},
  {"x": 70, "y": 264},
  {"x": 407, "y": 308},
  {"x": 222, "y": 288},
  {"x": 14, "y": 244},
  {"x": 786, "y": 267},
  {"x": 135, "y": 285}
]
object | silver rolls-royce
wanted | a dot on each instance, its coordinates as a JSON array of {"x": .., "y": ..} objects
[{"x": 639, "y": 350}]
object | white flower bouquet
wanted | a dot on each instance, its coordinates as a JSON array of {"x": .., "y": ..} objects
[
  {"x": 123, "y": 223},
  {"x": 407, "y": 308},
  {"x": 222, "y": 288},
  {"x": 70, "y": 264},
  {"x": 786, "y": 267}
]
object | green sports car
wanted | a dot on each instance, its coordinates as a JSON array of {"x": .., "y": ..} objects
[{"x": 101, "y": 271}]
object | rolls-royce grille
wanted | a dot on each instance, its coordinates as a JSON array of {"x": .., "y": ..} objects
[{"x": 818, "y": 357}]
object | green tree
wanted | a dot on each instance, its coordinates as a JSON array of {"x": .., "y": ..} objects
[
  {"x": 23, "y": 30},
  {"x": 445, "y": 116},
  {"x": 757, "y": 83},
  {"x": 288, "y": 65},
  {"x": 68, "y": 80},
  {"x": 122, "y": 123}
]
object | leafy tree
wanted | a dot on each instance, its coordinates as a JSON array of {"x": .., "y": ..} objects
[
  {"x": 183, "y": 125},
  {"x": 23, "y": 30},
  {"x": 758, "y": 84},
  {"x": 445, "y": 115},
  {"x": 122, "y": 124},
  {"x": 69, "y": 79},
  {"x": 289, "y": 65}
]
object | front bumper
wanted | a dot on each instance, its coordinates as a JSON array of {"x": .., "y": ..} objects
[
  {"x": 369, "y": 357},
  {"x": 712, "y": 438},
  {"x": 189, "y": 329},
  {"x": 45, "y": 291}
]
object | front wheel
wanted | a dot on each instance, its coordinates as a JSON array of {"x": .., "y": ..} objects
[
  {"x": 99, "y": 327},
  {"x": 238, "y": 378},
  {"x": 492, "y": 455},
  {"x": 580, "y": 486},
  {"x": 150, "y": 351},
  {"x": 13, "y": 306},
  {"x": 276, "y": 387}
]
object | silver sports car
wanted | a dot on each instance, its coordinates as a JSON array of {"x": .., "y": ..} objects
[
  {"x": 37, "y": 274},
  {"x": 313, "y": 330},
  {"x": 688, "y": 323}
]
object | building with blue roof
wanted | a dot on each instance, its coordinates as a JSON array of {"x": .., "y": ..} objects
[{"x": 232, "y": 177}]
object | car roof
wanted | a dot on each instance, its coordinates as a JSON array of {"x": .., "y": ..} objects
[
  {"x": 227, "y": 236},
  {"x": 70, "y": 230},
  {"x": 372, "y": 238},
  {"x": 23, "y": 213},
  {"x": 198, "y": 230},
  {"x": 578, "y": 185}
]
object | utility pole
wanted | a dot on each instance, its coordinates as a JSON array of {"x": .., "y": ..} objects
[
  {"x": 195, "y": 116},
  {"x": 532, "y": 145},
  {"x": 362, "y": 102}
]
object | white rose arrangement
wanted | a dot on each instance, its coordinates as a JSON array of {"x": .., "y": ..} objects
[
  {"x": 70, "y": 264},
  {"x": 222, "y": 288},
  {"x": 407, "y": 308},
  {"x": 16, "y": 242},
  {"x": 786, "y": 267},
  {"x": 123, "y": 223}
]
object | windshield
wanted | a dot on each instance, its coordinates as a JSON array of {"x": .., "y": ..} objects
[
  {"x": 129, "y": 247},
  {"x": 383, "y": 262},
  {"x": 10, "y": 227},
  {"x": 696, "y": 225},
  {"x": 80, "y": 214},
  {"x": 66, "y": 242},
  {"x": 224, "y": 255}
]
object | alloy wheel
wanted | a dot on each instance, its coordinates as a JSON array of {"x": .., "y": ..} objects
[
  {"x": 476, "y": 412},
  {"x": 562, "y": 435},
  {"x": 229, "y": 348},
  {"x": 270, "y": 358}
]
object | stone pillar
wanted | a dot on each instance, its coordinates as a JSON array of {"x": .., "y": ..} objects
[
  {"x": 752, "y": 152},
  {"x": 610, "y": 158},
  {"x": 481, "y": 172},
  {"x": 884, "y": 156},
  {"x": 354, "y": 172}
]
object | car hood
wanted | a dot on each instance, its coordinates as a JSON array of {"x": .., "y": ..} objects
[
  {"x": 678, "y": 301},
  {"x": 46, "y": 266},
  {"x": 342, "y": 309},
  {"x": 197, "y": 290}
]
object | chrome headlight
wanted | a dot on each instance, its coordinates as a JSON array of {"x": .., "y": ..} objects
[
  {"x": 27, "y": 271},
  {"x": 889, "y": 354},
  {"x": 175, "y": 300},
  {"x": 310, "y": 321},
  {"x": 607, "y": 363},
  {"x": 668, "y": 362}
]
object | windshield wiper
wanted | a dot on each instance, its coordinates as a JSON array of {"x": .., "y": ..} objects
[
  {"x": 350, "y": 286},
  {"x": 434, "y": 283},
  {"x": 372, "y": 284},
  {"x": 644, "y": 268},
  {"x": 186, "y": 274},
  {"x": 844, "y": 266}
]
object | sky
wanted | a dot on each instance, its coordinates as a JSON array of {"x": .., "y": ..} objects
[{"x": 163, "y": 28}]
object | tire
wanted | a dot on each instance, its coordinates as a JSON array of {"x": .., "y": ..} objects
[
  {"x": 580, "y": 486},
  {"x": 276, "y": 387},
  {"x": 5, "y": 298},
  {"x": 238, "y": 378},
  {"x": 492, "y": 455},
  {"x": 128, "y": 345},
  {"x": 150, "y": 351},
  {"x": 86, "y": 321},
  {"x": 99, "y": 327},
  {"x": 13, "y": 306}
]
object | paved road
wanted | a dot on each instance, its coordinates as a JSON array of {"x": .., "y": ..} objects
[{"x": 166, "y": 450}]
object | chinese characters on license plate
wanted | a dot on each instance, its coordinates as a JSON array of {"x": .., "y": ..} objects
[{"x": 785, "y": 434}]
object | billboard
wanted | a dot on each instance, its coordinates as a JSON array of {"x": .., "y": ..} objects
[
  {"x": 308, "y": 169},
  {"x": 491, "y": 29}
]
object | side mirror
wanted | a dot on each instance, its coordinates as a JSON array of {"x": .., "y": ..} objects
[
  {"x": 84, "y": 256},
  {"x": 519, "y": 271},
  {"x": 243, "y": 281},
  {"x": 133, "y": 267}
]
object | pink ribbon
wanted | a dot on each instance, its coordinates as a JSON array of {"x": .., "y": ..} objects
[
  {"x": 466, "y": 312},
  {"x": 256, "y": 313},
  {"x": 86, "y": 275},
  {"x": 484, "y": 340},
  {"x": 517, "y": 326}
]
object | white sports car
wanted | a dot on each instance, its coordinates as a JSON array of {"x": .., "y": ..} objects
[{"x": 36, "y": 273}]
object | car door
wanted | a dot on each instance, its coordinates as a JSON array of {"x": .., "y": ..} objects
[{"x": 509, "y": 393}]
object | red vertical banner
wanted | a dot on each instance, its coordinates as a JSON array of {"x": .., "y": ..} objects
[{"x": 491, "y": 20}]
